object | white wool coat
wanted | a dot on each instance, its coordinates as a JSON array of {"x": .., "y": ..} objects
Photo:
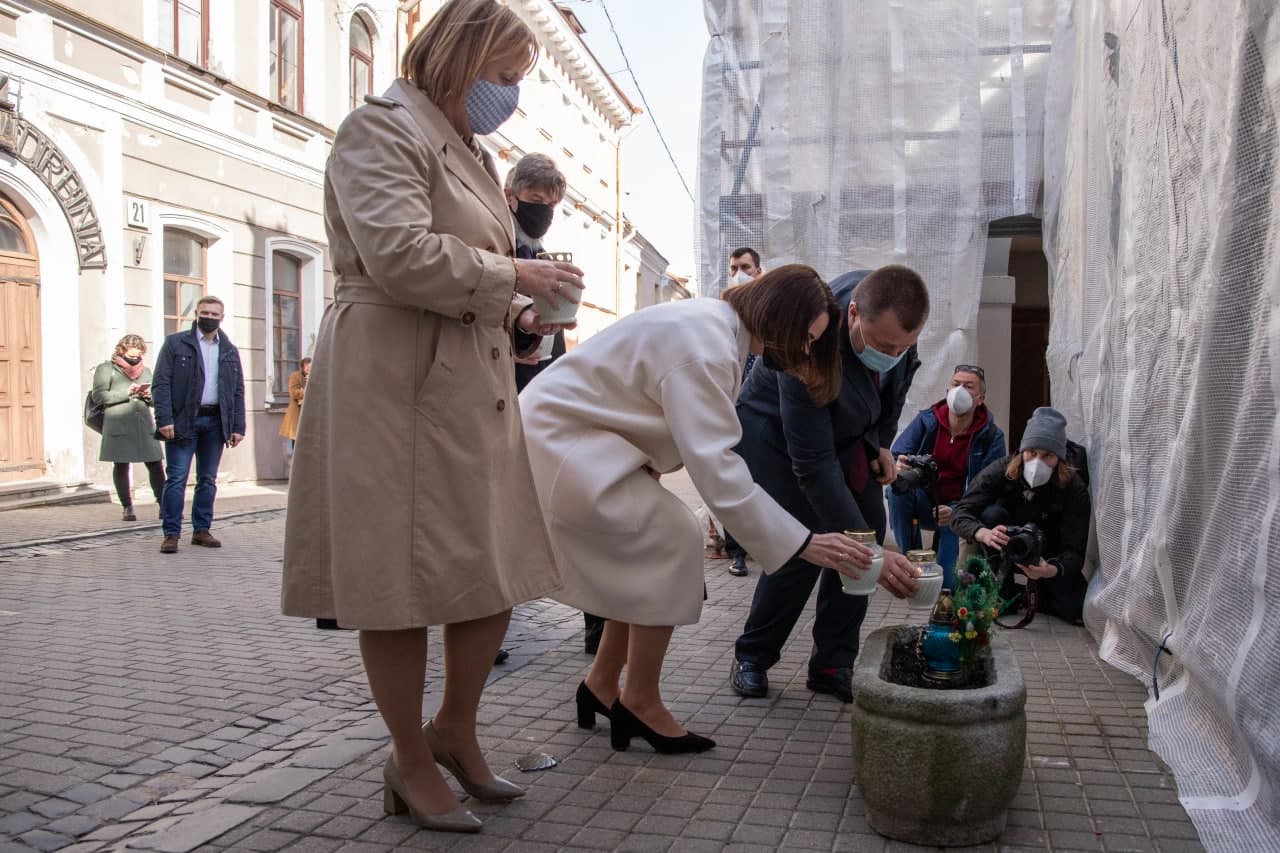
[{"x": 657, "y": 388}]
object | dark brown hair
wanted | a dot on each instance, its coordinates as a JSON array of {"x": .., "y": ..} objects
[
  {"x": 447, "y": 55},
  {"x": 894, "y": 287},
  {"x": 778, "y": 308},
  {"x": 746, "y": 250}
]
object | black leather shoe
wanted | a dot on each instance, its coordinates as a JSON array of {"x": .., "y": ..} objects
[
  {"x": 588, "y": 706},
  {"x": 749, "y": 679},
  {"x": 837, "y": 682},
  {"x": 501, "y": 657},
  {"x": 625, "y": 725},
  {"x": 738, "y": 568}
]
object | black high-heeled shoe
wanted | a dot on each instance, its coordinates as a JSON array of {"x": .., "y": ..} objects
[
  {"x": 626, "y": 725},
  {"x": 588, "y": 706}
]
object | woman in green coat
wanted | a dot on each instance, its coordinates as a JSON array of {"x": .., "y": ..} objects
[{"x": 123, "y": 387}]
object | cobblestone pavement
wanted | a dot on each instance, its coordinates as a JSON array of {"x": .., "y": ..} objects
[
  {"x": 20, "y": 528},
  {"x": 162, "y": 703}
]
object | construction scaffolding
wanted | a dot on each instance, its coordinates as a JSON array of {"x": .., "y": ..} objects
[{"x": 853, "y": 134}]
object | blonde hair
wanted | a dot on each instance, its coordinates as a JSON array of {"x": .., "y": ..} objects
[
  {"x": 447, "y": 55},
  {"x": 1061, "y": 475},
  {"x": 129, "y": 342}
]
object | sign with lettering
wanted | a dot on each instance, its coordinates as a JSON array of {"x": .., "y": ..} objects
[{"x": 19, "y": 138}]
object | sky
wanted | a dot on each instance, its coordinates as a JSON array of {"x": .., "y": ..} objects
[{"x": 664, "y": 40}]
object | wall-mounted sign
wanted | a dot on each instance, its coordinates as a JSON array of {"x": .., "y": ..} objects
[
  {"x": 33, "y": 148},
  {"x": 137, "y": 212}
]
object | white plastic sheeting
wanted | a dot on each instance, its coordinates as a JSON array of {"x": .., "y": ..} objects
[
  {"x": 849, "y": 135},
  {"x": 1162, "y": 218},
  {"x": 853, "y": 134}
]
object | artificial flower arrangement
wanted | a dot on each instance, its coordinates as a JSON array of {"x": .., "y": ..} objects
[{"x": 976, "y": 604}]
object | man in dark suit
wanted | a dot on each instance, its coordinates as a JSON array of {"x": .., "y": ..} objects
[{"x": 826, "y": 465}]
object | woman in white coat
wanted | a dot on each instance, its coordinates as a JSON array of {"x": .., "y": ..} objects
[{"x": 650, "y": 393}]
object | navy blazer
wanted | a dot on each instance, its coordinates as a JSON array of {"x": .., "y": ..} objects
[
  {"x": 799, "y": 452},
  {"x": 179, "y": 382}
]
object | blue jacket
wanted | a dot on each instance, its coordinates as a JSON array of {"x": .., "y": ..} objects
[
  {"x": 179, "y": 382},
  {"x": 799, "y": 452},
  {"x": 987, "y": 446}
]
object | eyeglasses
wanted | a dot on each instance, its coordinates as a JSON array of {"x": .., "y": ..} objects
[{"x": 971, "y": 368}]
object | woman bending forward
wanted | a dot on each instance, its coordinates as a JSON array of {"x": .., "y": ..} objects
[{"x": 652, "y": 392}]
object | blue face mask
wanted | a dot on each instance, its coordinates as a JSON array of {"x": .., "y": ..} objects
[
  {"x": 878, "y": 361},
  {"x": 489, "y": 105}
]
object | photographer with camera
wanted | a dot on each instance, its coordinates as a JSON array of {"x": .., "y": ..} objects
[
  {"x": 1033, "y": 508},
  {"x": 939, "y": 453}
]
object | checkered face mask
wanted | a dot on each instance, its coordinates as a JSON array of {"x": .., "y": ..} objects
[{"x": 489, "y": 105}]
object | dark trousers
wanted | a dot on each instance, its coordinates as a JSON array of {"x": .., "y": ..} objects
[
  {"x": 204, "y": 444},
  {"x": 731, "y": 546},
  {"x": 780, "y": 598},
  {"x": 124, "y": 489}
]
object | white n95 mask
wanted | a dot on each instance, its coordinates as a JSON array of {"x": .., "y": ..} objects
[
  {"x": 1036, "y": 473},
  {"x": 959, "y": 400}
]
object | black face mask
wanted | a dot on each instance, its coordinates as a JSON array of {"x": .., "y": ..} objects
[
  {"x": 132, "y": 360},
  {"x": 534, "y": 218},
  {"x": 208, "y": 325}
]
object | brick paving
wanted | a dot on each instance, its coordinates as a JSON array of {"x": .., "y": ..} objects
[
  {"x": 161, "y": 702},
  {"x": 77, "y": 521}
]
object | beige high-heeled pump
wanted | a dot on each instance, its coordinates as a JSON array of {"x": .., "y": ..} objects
[
  {"x": 394, "y": 801},
  {"x": 497, "y": 791}
]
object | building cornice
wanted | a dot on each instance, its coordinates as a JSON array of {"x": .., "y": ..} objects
[{"x": 555, "y": 33}]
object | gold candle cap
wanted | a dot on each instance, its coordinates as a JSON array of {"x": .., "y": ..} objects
[
  {"x": 922, "y": 556},
  {"x": 863, "y": 537}
]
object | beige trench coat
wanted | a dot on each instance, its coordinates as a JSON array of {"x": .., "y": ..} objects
[
  {"x": 411, "y": 501},
  {"x": 656, "y": 388}
]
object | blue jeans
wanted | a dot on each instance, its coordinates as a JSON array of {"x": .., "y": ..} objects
[
  {"x": 903, "y": 509},
  {"x": 205, "y": 444}
]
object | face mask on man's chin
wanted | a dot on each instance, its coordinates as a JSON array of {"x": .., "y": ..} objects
[{"x": 740, "y": 277}]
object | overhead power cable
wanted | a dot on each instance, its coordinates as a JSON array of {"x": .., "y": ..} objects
[{"x": 627, "y": 63}]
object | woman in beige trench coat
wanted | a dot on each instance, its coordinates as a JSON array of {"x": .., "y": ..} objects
[
  {"x": 412, "y": 502},
  {"x": 651, "y": 393}
]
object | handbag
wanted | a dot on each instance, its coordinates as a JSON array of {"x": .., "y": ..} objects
[{"x": 94, "y": 413}]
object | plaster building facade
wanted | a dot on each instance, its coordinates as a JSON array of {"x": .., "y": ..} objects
[{"x": 156, "y": 151}]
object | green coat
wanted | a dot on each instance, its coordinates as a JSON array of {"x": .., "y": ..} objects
[{"x": 128, "y": 431}]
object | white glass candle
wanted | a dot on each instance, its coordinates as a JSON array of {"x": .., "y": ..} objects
[{"x": 866, "y": 584}]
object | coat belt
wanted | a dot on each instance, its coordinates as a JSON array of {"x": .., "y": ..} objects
[{"x": 362, "y": 290}]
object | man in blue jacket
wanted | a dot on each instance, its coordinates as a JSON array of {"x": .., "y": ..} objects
[
  {"x": 961, "y": 435},
  {"x": 198, "y": 392},
  {"x": 825, "y": 465}
]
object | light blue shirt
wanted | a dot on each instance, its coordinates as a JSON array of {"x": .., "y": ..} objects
[{"x": 209, "y": 351}]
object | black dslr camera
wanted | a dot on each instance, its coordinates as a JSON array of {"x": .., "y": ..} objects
[
  {"x": 921, "y": 473},
  {"x": 1026, "y": 544}
]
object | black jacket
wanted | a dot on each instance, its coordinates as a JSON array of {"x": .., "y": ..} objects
[
  {"x": 1061, "y": 513},
  {"x": 799, "y": 452},
  {"x": 179, "y": 382}
]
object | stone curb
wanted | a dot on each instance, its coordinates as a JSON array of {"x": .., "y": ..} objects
[{"x": 142, "y": 527}]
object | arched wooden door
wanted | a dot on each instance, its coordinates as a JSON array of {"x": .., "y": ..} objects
[{"x": 21, "y": 419}]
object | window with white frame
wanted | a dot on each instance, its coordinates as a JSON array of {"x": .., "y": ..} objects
[
  {"x": 361, "y": 56},
  {"x": 295, "y": 302},
  {"x": 286, "y": 318},
  {"x": 285, "y": 38},
  {"x": 184, "y": 29},
  {"x": 185, "y": 278}
]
